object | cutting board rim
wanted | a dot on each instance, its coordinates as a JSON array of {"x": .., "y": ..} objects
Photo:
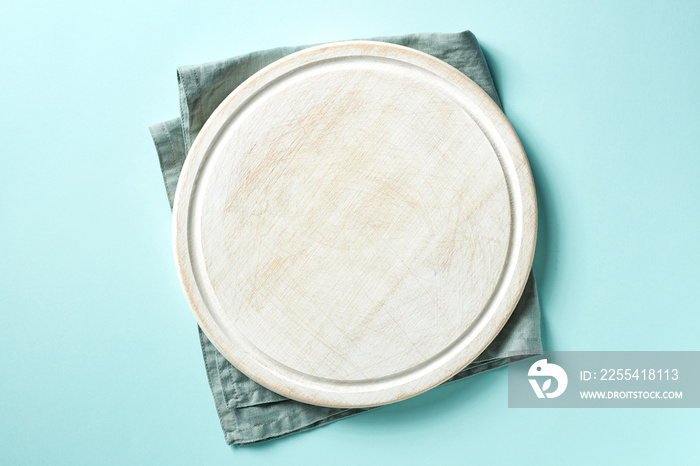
[{"x": 343, "y": 395}]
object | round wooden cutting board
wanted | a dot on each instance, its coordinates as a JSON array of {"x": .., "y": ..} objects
[{"x": 354, "y": 224}]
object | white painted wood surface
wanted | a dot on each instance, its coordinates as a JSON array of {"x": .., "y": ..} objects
[{"x": 354, "y": 224}]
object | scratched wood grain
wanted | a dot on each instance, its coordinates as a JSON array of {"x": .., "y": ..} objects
[{"x": 354, "y": 224}]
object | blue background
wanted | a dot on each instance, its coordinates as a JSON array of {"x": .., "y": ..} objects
[{"x": 99, "y": 357}]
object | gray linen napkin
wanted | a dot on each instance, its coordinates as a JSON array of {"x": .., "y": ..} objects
[{"x": 250, "y": 413}]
